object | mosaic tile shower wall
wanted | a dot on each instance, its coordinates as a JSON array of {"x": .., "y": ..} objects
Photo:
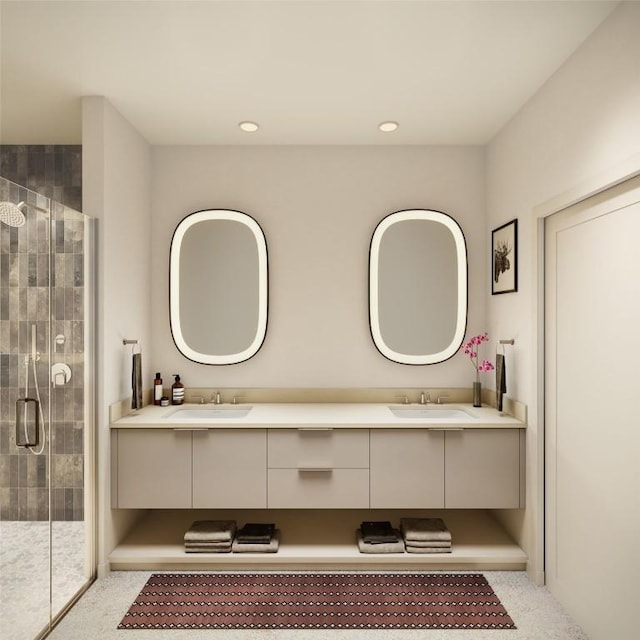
[
  {"x": 29, "y": 257},
  {"x": 54, "y": 171}
]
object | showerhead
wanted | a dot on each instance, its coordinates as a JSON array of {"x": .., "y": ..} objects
[{"x": 11, "y": 214}]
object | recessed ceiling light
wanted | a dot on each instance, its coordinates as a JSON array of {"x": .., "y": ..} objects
[
  {"x": 248, "y": 126},
  {"x": 388, "y": 126}
]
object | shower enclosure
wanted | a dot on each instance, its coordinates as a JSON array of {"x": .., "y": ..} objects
[{"x": 47, "y": 550}]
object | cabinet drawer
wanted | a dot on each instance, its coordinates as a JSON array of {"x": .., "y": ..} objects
[
  {"x": 319, "y": 489},
  {"x": 324, "y": 448}
]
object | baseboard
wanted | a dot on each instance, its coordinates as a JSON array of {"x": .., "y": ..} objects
[
  {"x": 537, "y": 577},
  {"x": 103, "y": 569}
]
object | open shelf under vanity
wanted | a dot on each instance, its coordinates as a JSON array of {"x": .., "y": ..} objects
[{"x": 321, "y": 539}]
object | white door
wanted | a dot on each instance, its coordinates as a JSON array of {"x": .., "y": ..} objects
[{"x": 592, "y": 501}]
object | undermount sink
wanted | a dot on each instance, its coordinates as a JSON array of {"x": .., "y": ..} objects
[
  {"x": 208, "y": 413},
  {"x": 431, "y": 413}
]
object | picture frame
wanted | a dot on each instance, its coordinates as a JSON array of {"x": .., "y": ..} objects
[{"x": 504, "y": 258}]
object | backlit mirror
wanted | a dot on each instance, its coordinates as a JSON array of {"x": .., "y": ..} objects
[
  {"x": 418, "y": 286},
  {"x": 218, "y": 287}
]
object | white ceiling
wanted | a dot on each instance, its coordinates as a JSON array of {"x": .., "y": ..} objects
[{"x": 323, "y": 72}]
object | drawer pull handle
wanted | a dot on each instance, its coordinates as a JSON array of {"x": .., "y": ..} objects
[
  {"x": 315, "y": 428},
  {"x": 315, "y": 469},
  {"x": 445, "y": 428},
  {"x": 190, "y": 429}
]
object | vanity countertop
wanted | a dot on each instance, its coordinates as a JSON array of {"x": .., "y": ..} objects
[{"x": 320, "y": 415}]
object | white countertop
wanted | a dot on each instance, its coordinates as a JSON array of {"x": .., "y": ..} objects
[{"x": 327, "y": 415}]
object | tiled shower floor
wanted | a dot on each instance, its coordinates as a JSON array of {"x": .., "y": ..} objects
[{"x": 24, "y": 573}]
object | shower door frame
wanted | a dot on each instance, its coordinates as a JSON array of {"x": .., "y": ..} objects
[
  {"x": 82, "y": 355},
  {"x": 89, "y": 413},
  {"x": 90, "y": 420}
]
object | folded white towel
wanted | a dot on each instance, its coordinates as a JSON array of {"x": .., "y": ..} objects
[
  {"x": 442, "y": 544},
  {"x": 211, "y": 531},
  {"x": 424, "y": 529},
  {"x": 412, "y": 549}
]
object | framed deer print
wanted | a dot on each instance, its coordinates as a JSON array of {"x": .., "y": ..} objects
[{"x": 504, "y": 272}]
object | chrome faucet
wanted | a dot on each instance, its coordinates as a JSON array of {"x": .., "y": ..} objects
[
  {"x": 425, "y": 398},
  {"x": 215, "y": 398}
]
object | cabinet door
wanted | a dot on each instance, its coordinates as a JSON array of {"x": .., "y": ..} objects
[
  {"x": 230, "y": 469},
  {"x": 153, "y": 469},
  {"x": 482, "y": 469},
  {"x": 406, "y": 469}
]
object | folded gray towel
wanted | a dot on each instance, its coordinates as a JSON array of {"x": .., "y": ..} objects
[
  {"x": 257, "y": 547},
  {"x": 207, "y": 549},
  {"x": 424, "y": 529},
  {"x": 381, "y": 547},
  {"x": 211, "y": 531},
  {"x": 208, "y": 545},
  {"x": 256, "y": 533},
  {"x": 412, "y": 549},
  {"x": 442, "y": 544}
]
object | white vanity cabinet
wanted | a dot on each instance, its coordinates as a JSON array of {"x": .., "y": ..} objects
[
  {"x": 318, "y": 468},
  {"x": 454, "y": 468},
  {"x": 483, "y": 469},
  {"x": 407, "y": 469},
  {"x": 190, "y": 468},
  {"x": 229, "y": 469},
  {"x": 152, "y": 469}
]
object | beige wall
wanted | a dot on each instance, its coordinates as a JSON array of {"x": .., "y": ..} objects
[
  {"x": 116, "y": 190},
  {"x": 578, "y": 133},
  {"x": 582, "y": 122},
  {"x": 318, "y": 207}
]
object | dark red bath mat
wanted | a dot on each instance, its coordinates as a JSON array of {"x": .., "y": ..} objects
[{"x": 274, "y": 600}]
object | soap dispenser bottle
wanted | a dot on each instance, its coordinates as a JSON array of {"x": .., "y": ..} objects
[
  {"x": 157, "y": 389},
  {"x": 177, "y": 391}
]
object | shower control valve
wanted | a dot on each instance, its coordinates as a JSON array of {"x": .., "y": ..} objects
[{"x": 60, "y": 374}]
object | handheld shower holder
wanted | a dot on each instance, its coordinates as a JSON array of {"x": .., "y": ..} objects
[{"x": 23, "y": 436}]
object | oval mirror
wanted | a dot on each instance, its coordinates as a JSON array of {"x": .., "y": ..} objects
[
  {"x": 418, "y": 286},
  {"x": 218, "y": 287}
]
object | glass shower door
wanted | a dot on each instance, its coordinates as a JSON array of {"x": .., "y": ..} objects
[
  {"x": 25, "y": 443},
  {"x": 44, "y": 414},
  {"x": 72, "y": 564}
]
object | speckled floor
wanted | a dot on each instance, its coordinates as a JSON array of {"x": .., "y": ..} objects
[
  {"x": 536, "y": 613},
  {"x": 24, "y": 574}
]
